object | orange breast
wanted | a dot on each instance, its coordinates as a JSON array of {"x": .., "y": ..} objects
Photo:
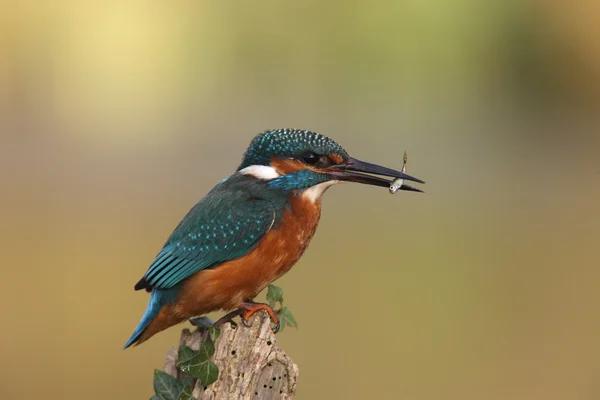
[{"x": 226, "y": 286}]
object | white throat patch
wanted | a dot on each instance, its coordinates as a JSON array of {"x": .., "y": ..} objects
[
  {"x": 314, "y": 193},
  {"x": 263, "y": 172}
]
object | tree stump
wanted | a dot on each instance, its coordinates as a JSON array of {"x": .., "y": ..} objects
[{"x": 251, "y": 365}]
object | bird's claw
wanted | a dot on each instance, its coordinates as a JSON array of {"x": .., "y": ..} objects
[
  {"x": 251, "y": 308},
  {"x": 246, "y": 310},
  {"x": 276, "y": 327}
]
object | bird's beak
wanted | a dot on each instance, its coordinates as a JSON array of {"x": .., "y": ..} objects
[{"x": 354, "y": 170}]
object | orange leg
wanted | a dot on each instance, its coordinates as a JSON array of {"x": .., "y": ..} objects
[
  {"x": 252, "y": 307},
  {"x": 228, "y": 318}
]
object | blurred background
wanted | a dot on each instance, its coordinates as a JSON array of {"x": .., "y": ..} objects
[{"x": 117, "y": 116}]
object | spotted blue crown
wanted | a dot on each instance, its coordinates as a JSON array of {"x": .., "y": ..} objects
[{"x": 288, "y": 143}]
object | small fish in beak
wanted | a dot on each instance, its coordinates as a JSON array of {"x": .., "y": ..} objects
[{"x": 398, "y": 182}]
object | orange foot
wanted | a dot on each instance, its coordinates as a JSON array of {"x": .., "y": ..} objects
[{"x": 252, "y": 307}]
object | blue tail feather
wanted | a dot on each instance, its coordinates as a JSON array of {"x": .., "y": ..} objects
[{"x": 154, "y": 306}]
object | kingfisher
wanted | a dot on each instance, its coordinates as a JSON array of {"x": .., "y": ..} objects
[{"x": 249, "y": 230}]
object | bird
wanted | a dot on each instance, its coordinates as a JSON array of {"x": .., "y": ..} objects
[{"x": 249, "y": 230}]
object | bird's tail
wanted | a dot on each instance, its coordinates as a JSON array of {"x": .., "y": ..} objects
[{"x": 157, "y": 301}]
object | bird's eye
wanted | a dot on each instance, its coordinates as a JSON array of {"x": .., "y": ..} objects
[{"x": 310, "y": 158}]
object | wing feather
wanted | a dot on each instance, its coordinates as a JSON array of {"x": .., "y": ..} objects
[{"x": 223, "y": 226}]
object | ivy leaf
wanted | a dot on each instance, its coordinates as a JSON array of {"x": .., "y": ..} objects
[
  {"x": 209, "y": 373},
  {"x": 206, "y": 351},
  {"x": 197, "y": 364},
  {"x": 213, "y": 333},
  {"x": 166, "y": 387},
  {"x": 187, "y": 393},
  {"x": 274, "y": 295},
  {"x": 286, "y": 318},
  {"x": 185, "y": 353}
]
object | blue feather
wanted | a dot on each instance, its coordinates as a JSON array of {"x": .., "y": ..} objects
[
  {"x": 226, "y": 224},
  {"x": 302, "y": 179},
  {"x": 287, "y": 143},
  {"x": 158, "y": 298}
]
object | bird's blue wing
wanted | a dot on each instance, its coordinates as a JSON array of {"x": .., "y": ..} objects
[{"x": 223, "y": 226}]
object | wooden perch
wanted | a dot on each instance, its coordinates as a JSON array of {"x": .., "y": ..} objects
[{"x": 251, "y": 365}]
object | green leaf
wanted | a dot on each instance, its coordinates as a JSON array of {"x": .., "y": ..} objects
[
  {"x": 213, "y": 333},
  {"x": 286, "y": 318},
  {"x": 206, "y": 350},
  {"x": 209, "y": 373},
  {"x": 197, "y": 364},
  {"x": 185, "y": 353},
  {"x": 274, "y": 295},
  {"x": 187, "y": 393},
  {"x": 166, "y": 387}
]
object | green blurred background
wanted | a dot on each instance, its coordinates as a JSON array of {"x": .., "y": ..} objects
[{"x": 117, "y": 116}]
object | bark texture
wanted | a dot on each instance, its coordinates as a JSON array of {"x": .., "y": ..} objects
[{"x": 251, "y": 365}]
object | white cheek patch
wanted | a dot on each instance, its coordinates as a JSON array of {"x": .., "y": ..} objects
[
  {"x": 314, "y": 193},
  {"x": 263, "y": 172}
]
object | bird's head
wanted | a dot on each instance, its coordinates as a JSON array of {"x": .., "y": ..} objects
[{"x": 294, "y": 159}]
